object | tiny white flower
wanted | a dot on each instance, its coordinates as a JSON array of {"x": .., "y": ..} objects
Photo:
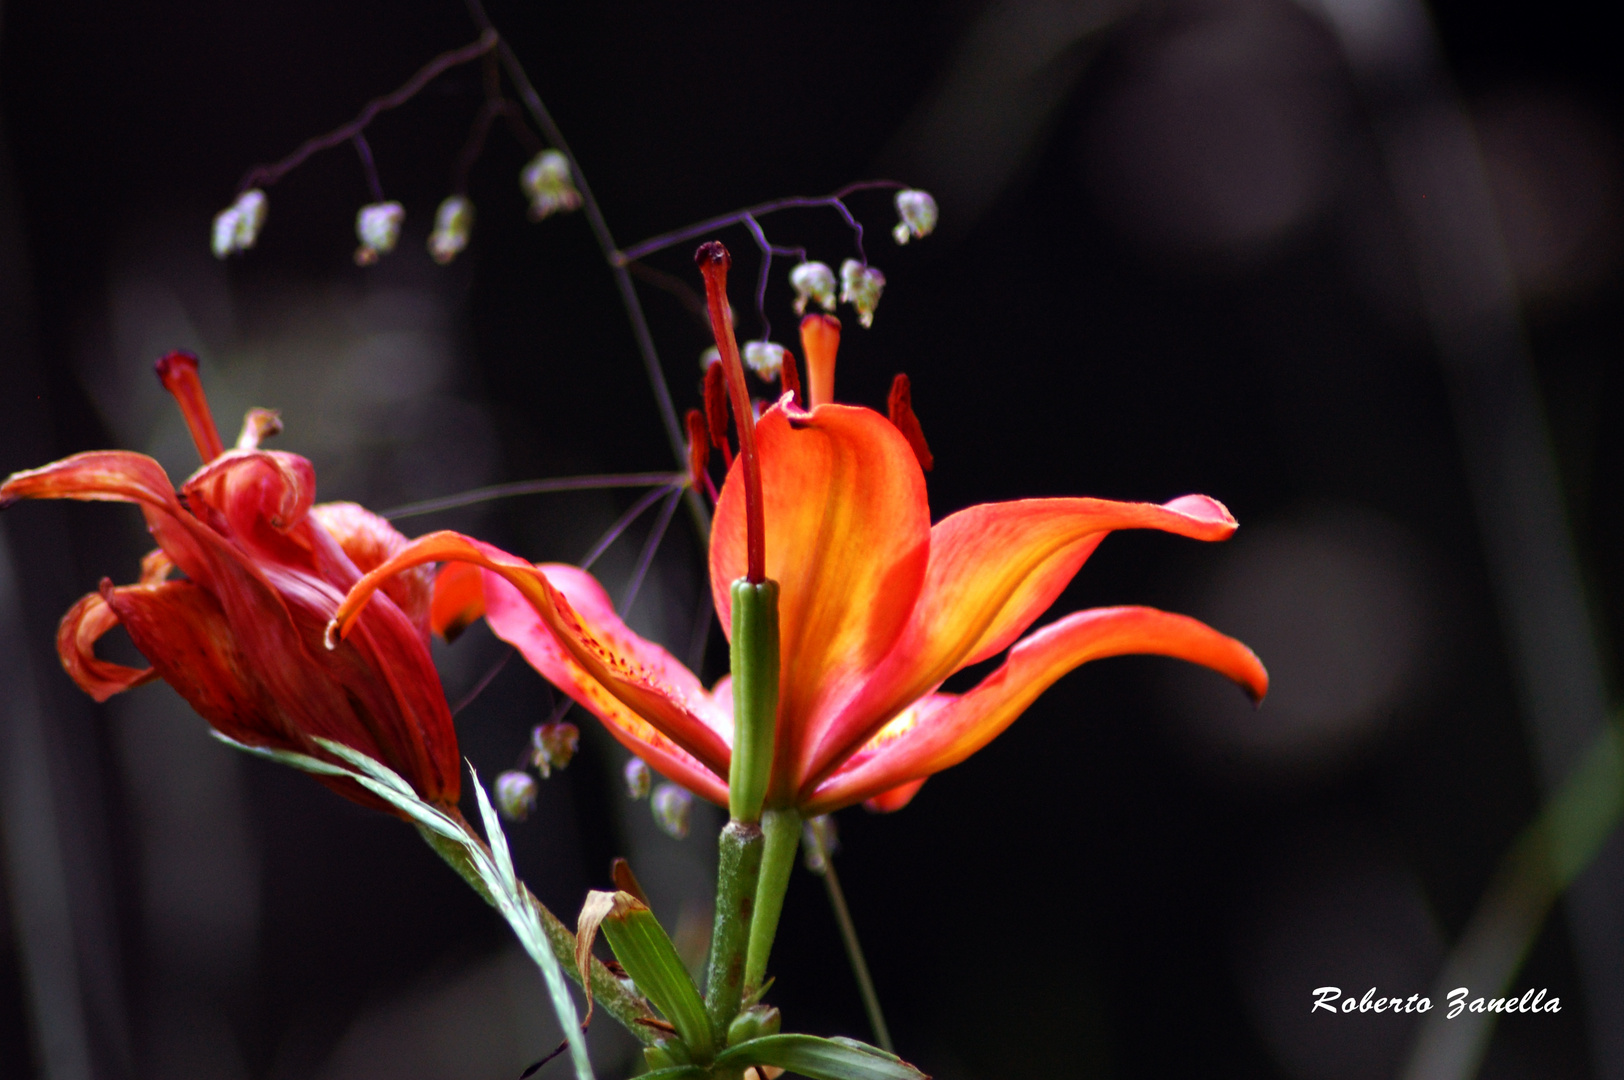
[
  {"x": 547, "y": 183},
  {"x": 672, "y": 805},
  {"x": 765, "y": 359},
  {"x": 452, "y": 222},
  {"x": 236, "y": 228},
  {"x": 377, "y": 226},
  {"x": 918, "y": 213},
  {"x": 860, "y": 286},
  {"x": 638, "y": 778},
  {"x": 813, "y": 281},
  {"x": 515, "y": 795}
]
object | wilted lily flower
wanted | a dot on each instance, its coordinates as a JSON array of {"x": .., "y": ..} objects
[
  {"x": 377, "y": 226},
  {"x": 860, "y": 286},
  {"x": 452, "y": 222},
  {"x": 231, "y": 607},
  {"x": 547, "y": 184},
  {"x": 236, "y": 228},
  {"x": 813, "y": 281},
  {"x": 877, "y": 608}
]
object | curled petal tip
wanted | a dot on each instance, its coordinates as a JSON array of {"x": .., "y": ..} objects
[
  {"x": 1203, "y": 508},
  {"x": 331, "y": 636}
]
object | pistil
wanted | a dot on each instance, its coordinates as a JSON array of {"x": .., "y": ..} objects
[
  {"x": 713, "y": 261},
  {"x": 178, "y": 373}
]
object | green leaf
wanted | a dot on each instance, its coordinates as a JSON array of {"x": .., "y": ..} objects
[
  {"x": 643, "y": 949},
  {"x": 820, "y": 1059},
  {"x": 676, "y": 1072}
]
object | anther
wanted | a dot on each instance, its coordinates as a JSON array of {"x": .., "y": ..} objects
[
  {"x": 178, "y": 373},
  {"x": 900, "y": 406},
  {"x": 257, "y": 426},
  {"x": 820, "y": 340},
  {"x": 716, "y": 410},
  {"x": 698, "y": 448},
  {"x": 790, "y": 378}
]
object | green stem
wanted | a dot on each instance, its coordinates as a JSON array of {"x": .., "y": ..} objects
[
  {"x": 738, "y": 868},
  {"x": 611, "y": 993},
  {"x": 755, "y": 696},
  {"x": 854, "y": 951},
  {"x": 783, "y": 833}
]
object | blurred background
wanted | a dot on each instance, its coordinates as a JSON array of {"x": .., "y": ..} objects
[{"x": 1350, "y": 266}]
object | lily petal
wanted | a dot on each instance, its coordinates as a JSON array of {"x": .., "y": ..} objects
[
  {"x": 887, "y": 802},
  {"x": 459, "y": 599},
  {"x": 654, "y": 691},
  {"x": 994, "y": 568},
  {"x": 848, "y": 535},
  {"x": 76, "y": 638},
  {"x": 513, "y": 620},
  {"x": 947, "y": 730}
]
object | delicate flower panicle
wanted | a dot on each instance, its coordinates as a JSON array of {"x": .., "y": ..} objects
[
  {"x": 765, "y": 358},
  {"x": 860, "y": 286},
  {"x": 638, "y": 778},
  {"x": 672, "y": 806},
  {"x": 918, "y": 213},
  {"x": 236, "y": 228},
  {"x": 377, "y": 226},
  {"x": 516, "y": 794},
  {"x": 553, "y": 746},
  {"x": 452, "y": 223},
  {"x": 813, "y": 281},
  {"x": 548, "y": 185}
]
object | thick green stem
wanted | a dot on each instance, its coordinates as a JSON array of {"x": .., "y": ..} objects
[
  {"x": 738, "y": 868},
  {"x": 611, "y": 993},
  {"x": 755, "y": 696},
  {"x": 783, "y": 834}
]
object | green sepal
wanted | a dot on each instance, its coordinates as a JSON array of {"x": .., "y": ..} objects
[
  {"x": 819, "y": 1059},
  {"x": 645, "y": 951},
  {"x": 754, "y": 1023},
  {"x": 755, "y": 696}
]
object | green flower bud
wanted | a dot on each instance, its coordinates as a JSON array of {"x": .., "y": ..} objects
[{"x": 753, "y": 1023}]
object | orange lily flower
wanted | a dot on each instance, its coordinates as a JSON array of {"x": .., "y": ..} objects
[
  {"x": 240, "y": 635},
  {"x": 877, "y": 608}
]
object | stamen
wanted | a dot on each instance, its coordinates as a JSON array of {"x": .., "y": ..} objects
[
  {"x": 790, "y": 377},
  {"x": 714, "y": 261},
  {"x": 698, "y": 448},
  {"x": 900, "y": 406},
  {"x": 178, "y": 373},
  {"x": 820, "y": 340},
  {"x": 257, "y": 426},
  {"x": 716, "y": 410}
]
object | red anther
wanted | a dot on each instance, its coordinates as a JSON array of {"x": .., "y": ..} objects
[
  {"x": 698, "y": 448},
  {"x": 900, "y": 406},
  {"x": 716, "y": 410},
  {"x": 820, "y": 340},
  {"x": 178, "y": 373},
  {"x": 789, "y": 377},
  {"x": 713, "y": 261}
]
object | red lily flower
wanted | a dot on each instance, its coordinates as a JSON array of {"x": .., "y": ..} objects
[
  {"x": 877, "y": 608},
  {"x": 240, "y": 635}
]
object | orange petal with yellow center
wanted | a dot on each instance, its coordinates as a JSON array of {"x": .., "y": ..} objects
[
  {"x": 847, "y": 540},
  {"x": 945, "y": 730},
  {"x": 994, "y": 568},
  {"x": 638, "y": 675}
]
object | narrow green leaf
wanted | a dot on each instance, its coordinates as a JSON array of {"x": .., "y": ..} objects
[
  {"x": 494, "y": 836},
  {"x": 371, "y": 766},
  {"x": 644, "y": 950},
  {"x": 819, "y": 1059}
]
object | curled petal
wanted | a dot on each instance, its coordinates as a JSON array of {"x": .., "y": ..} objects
[
  {"x": 97, "y": 476},
  {"x": 76, "y": 638},
  {"x": 459, "y": 599},
  {"x": 848, "y": 532},
  {"x": 887, "y": 802},
  {"x": 368, "y": 540},
  {"x": 947, "y": 730},
  {"x": 994, "y": 568},
  {"x": 647, "y": 689}
]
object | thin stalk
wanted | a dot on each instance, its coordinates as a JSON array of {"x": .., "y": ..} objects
[
  {"x": 601, "y": 482},
  {"x": 783, "y": 833},
  {"x": 854, "y": 951},
  {"x": 738, "y": 868},
  {"x": 611, "y": 255}
]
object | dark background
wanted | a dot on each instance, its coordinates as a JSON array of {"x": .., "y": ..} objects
[{"x": 1170, "y": 261}]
